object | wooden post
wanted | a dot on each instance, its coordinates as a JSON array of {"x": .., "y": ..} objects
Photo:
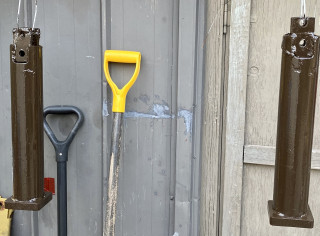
[
  {"x": 234, "y": 120},
  {"x": 214, "y": 44}
]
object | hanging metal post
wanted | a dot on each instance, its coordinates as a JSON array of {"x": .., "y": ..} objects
[
  {"x": 27, "y": 122},
  {"x": 297, "y": 99}
]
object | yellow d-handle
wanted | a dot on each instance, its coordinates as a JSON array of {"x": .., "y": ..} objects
[{"x": 119, "y": 95}]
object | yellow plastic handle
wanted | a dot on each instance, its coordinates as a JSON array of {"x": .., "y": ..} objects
[{"x": 119, "y": 95}]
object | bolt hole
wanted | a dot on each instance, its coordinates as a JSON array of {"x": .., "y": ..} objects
[
  {"x": 1, "y": 204},
  {"x": 22, "y": 53},
  {"x": 303, "y": 22},
  {"x": 302, "y": 43}
]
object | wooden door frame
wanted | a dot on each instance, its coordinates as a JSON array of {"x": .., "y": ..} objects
[
  {"x": 230, "y": 218},
  {"x": 222, "y": 157}
]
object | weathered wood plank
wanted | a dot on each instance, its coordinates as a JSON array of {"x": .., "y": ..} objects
[
  {"x": 269, "y": 21},
  {"x": 212, "y": 119},
  {"x": 265, "y": 155},
  {"x": 235, "y": 117}
]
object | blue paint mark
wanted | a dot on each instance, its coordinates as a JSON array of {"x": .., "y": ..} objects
[
  {"x": 105, "y": 108},
  {"x": 162, "y": 112},
  {"x": 159, "y": 113},
  {"x": 187, "y": 116},
  {"x": 133, "y": 114}
]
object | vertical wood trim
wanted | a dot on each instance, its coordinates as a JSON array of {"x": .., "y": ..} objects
[
  {"x": 235, "y": 118},
  {"x": 212, "y": 118}
]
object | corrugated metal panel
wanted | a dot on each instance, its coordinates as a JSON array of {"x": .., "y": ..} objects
[
  {"x": 160, "y": 162},
  {"x": 145, "y": 26}
]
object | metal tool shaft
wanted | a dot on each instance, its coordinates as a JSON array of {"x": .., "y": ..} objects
[
  {"x": 62, "y": 198},
  {"x": 113, "y": 175},
  {"x": 62, "y": 206}
]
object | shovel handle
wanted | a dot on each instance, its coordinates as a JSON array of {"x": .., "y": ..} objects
[
  {"x": 119, "y": 95},
  {"x": 62, "y": 146}
]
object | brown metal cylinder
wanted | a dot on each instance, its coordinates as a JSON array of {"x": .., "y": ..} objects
[
  {"x": 297, "y": 99},
  {"x": 27, "y": 122}
]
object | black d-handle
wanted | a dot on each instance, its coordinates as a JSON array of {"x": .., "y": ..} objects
[{"x": 62, "y": 147}]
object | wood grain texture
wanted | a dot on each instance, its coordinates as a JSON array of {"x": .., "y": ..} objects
[
  {"x": 235, "y": 118},
  {"x": 265, "y": 155},
  {"x": 269, "y": 21},
  {"x": 257, "y": 190},
  {"x": 212, "y": 119}
]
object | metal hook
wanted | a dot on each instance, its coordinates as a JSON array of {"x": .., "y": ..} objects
[
  {"x": 303, "y": 8},
  {"x": 18, "y": 14},
  {"x": 35, "y": 13}
]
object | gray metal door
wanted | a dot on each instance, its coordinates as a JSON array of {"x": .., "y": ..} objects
[{"x": 159, "y": 178}]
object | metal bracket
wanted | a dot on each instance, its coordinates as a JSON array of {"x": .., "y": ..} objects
[{"x": 23, "y": 38}]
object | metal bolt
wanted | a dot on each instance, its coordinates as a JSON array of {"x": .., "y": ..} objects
[
  {"x": 302, "y": 43},
  {"x": 303, "y": 22}
]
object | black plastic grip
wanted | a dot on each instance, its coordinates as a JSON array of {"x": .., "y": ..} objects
[{"x": 62, "y": 147}]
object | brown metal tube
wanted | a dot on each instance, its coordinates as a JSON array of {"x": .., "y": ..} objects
[
  {"x": 298, "y": 88},
  {"x": 27, "y": 122}
]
